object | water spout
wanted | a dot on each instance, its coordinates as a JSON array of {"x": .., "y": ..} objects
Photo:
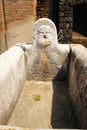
[{"x": 44, "y": 55}]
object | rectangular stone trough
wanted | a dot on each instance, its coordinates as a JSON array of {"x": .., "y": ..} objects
[
  {"x": 43, "y": 84},
  {"x": 40, "y": 104}
]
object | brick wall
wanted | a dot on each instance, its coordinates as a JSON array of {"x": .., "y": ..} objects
[
  {"x": 14, "y": 12},
  {"x": 2, "y": 28},
  {"x": 1, "y": 17},
  {"x": 18, "y": 10}
]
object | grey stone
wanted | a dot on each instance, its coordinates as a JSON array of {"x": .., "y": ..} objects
[
  {"x": 46, "y": 58},
  {"x": 78, "y": 83},
  {"x": 12, "y": 79}
]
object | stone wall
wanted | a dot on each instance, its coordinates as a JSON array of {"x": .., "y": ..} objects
[
  {"x": 18, "y": 9},
  {"x": 65, "y": 20},
  {"x": 12, "y": 79},
  {"x": 78, "y": 83},
  {"x": 43, "y": 9}
]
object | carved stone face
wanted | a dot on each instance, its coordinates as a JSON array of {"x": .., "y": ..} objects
[{"x": 44, "y": 36}]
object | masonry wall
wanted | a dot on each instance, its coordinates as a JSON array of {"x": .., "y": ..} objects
[
  {"x": 43, "y": 9},
  {"x": 65, "y": 21},
  {"x": 18, "y": 17},
  {"x": 2, "y": 28}
]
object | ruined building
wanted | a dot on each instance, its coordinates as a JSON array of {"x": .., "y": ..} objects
[{"x": 17, "y": 18}]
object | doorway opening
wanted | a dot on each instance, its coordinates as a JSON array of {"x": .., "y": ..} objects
[{"x": 80, "y": 24}]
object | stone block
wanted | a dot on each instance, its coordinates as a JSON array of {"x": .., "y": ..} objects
[
  {"x": 78, "y": 83},
  {"x": 46, "y": 59},
  {"x": 12, "y": 78}
]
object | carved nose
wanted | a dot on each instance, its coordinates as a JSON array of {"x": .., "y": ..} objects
[{"x": 44, "y": 36}]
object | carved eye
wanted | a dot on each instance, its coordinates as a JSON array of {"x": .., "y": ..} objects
[{"x": 41, "y": 34}]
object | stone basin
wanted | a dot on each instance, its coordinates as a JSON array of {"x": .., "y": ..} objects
[{"x": 43, "y": 84}]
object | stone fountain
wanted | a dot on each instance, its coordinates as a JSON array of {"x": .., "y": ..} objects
[{"x": 39, "y": 82}]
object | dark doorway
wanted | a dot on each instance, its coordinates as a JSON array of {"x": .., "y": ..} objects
[
  {"x": 54, "y": 12},
  {"x": 80, "y": 19}
]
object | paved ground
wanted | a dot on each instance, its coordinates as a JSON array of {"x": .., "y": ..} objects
[{"x": 43, "y": 105}]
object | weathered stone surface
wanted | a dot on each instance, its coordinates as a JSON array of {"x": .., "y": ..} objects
[
  {"x": 12, "y": 78},
  {"x": 7, "y": 127},
  {"x": 46, "y": 59},
  {"x": 78, "y": 83},
  {"x": 43, "y": 105},
  {"x": 65, "y": 16}
]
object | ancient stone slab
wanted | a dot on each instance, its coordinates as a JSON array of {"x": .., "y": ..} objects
[{"x": 12, "y": 78}]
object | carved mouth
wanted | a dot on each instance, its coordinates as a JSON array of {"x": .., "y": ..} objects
[{"x": 45, "y": 42}]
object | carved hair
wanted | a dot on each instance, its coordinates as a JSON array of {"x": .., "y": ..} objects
[{"x": 47, "y": 22}]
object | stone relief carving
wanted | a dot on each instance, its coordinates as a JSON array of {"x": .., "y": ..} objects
[
  {"x": 46, "y": 58},
  {"x": 44, "y": 28},
  {"x": 44, "y": 36}
]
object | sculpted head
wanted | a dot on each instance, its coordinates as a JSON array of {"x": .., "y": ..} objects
[
  {"x": 44, "y": 30},
  {"x": 44, "y": 33}
]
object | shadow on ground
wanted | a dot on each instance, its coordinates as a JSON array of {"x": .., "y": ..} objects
[
  {"x": 44, "y": 104},
  {"x": 62, "y": 112}
]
